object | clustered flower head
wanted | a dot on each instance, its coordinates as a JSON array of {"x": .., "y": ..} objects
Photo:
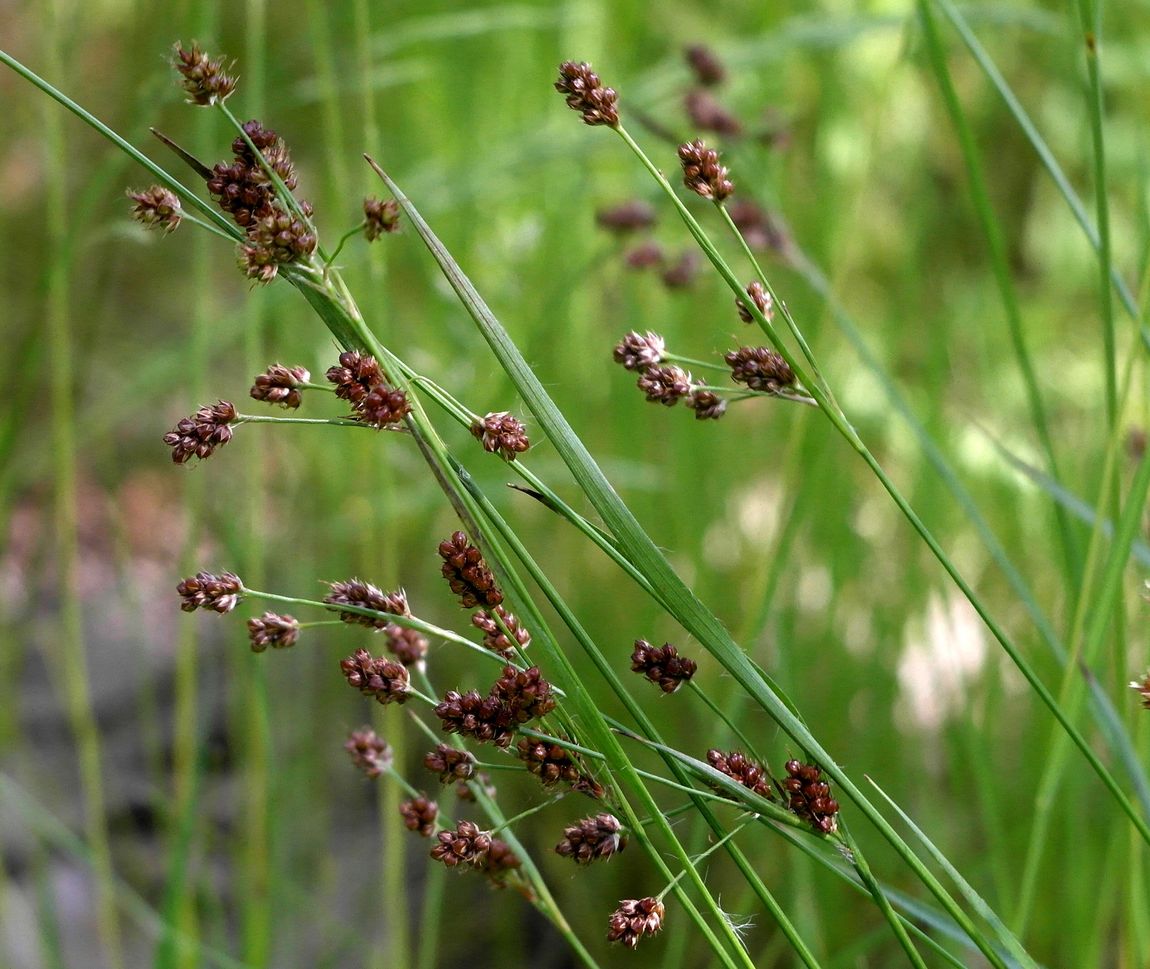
[
  {"x": 637, "y": 351},
  {"x": 501, "y": 432},
  {"x": 810, "y": 796},
  {"x": 198, "y": 436},
  {"x": 379, "y": 217},
  {"x": 739, "y": 767},
  {"x": 682, "y": 272},
  {"x": 205, "y": 80},
  {"x": 466, "y": 845},
  {"x": 494, "y": 638},
  {"x": 645, "y": 255},
  {"x": 760, "y": 297},
  {"x": 471, "y": 714},
  {"x": 1142, "y": 687},
  {"x": 274, "y": 630},
  {"x": 665, "y": 385},
  {"x": 760, "y": 230},
  {"x": 369, "y": 752},
  {"x": 707, "y": 114},
  {"x": 205, "y": 590},
  {"x": 706, "y": 404},
  {"x": 382, "y": 678},
  {"x": 586, "y": 94},
  {"x": 360, "y": 381},
  {"x": 702, "y": 173},
  {"x": 630, "y": 216},
  {"x": 635, "y": 918},
  {"x": 467, "y": 574},
  {"x": 662, "y": 665},
  {"x": 760, "y": 368},
  {"x": 419, "y": 815},
  {"x": 356, "y": 592},
  {"x": 156, "y": 208},
  {"x": 409, "y": 645},
  {"x": 450, "y": 763},
  {"x": 281, "y": 385},
  {"x": 592, "y": 839},
  {"x": 705, "y": 64},
  {"x": 551, "y": 763},
  {"x": 278, "y": 238},
  {"x": 525, "y": 693}
]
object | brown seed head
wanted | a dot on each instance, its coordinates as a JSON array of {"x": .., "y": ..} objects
[
  {"x": 665, "y": 385},
  {"x": 156, "y": 208},
  {"x": 501, "y": 432},
  {"x": 198, "y": 436},
  {"x": 501, "y": 859},
  {"x": 525, "y": 693},
  {"x": 809, "y": 796},
  {"x": 761, "y": 298},
  {"x": 471, "y": 715},
  {"x": 706, "y": 404},
  {"x": 706, "y": 114},
  {"x": 356, "y": 592},
  {"x": 663, "y": 666},
  {"x": 409, "y": 645},
  {"x": 379, "y": 217},
  {"x": 419, "y": 815},
  {"x": 739, "y": 767},
  {"x": 702, "y": 173},
  {"x": 592, "y": 839},
  {"x": 450, "y": 763},
  {"x": 635, "y": 918},
  {"x": 630, "y": 216},
  {"x": 638, "y": 352},
  {"x": 705, "y": 63},
  {"x": 467, "y": 573},
  {"x": 586, "y": 94},
  {"x": 370, "y": 753},
  {"x": 355, "y": 376},
  {"x": 274, "y": 630},
  {"x": 682, "y": 272},
  {"x": 466, "y": 845},
  {"x": 645, "y": 255},
  {"x": 549, "y": 762},
  {"x": 494, "y": 637},
  {"x": 280, "y": 385},
  {"x": 205, "y": 590},
  {"x": 382, "y": 678},
  {"x": 760, "y": 368},
  {"x": 204, "y": 80},
  {"x": 275, "y": 240}
]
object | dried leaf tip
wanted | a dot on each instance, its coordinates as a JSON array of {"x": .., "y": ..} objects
[
  {"x": 586, "y": 94},
  {"x": 156, "y": 208},
  {"x": 206, "y": 81}
]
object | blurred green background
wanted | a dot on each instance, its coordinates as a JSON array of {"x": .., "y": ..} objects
[{"x": 228, "y": 804}]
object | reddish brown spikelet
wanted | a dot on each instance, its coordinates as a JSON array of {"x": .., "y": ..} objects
[
  {"x": 633, "y": 919},
  {"x": 205, "y": 80},
  {"x": 280, "y": 385},
  {"x": 637, "y": 351},
  {"x": 355, "y": 376},
  {"x": 706, "y": 404},
  {"x": 663, "y": 665},
  {"x": 466, "y": 845},
  {"x": 384, "y": 406},
  {"x": 356, "y": 592},
  {"x": 707, "y": 114},
  {"x": 549, "y": 762},
  {"x": 450, "y": 763},
  {"x": 630, "y": 216},
  {"x": 274, "y": 630},
  {"x": 809, "y": 796},
  {"x": 501, "y": 432},
  {"x": 419, "y": 815},
  {"x": 592, "y": 839},
  {"x": 760, "y": 368},
  {"x": 199, "y": 435},
  {"x": 645, "y": 255},
  {"x": 408, "y": 645},
  {"x": 205, "y": 590},
  {"x": 524, "y": 692},
  {"x": 1142, "y": 688},
  {"x": 586, "y": 94},
  {"x": 368, "y": 751},
  {"x": 739, "y": 767},
  {"x": 702, "y": 173},
  {"x": 471, "y": 715},
  {"x": 760, "y": 297},
  {"x": 500, "y": 860},
  {"x": 705, "y": 64},
  {"x": 467, "y": 573},
  {"x": 682, "y": 272},
  {"x": 494, "y": 638},
  {"x": 156, "y": 208},
  {"x": 379, "y": 217},
  {"x": 274, "y": 240},
  {"x": 382, "y": 678},
  {"x": 665, "y": 385}
]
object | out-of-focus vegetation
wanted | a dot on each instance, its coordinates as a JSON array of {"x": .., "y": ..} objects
[{"x": 229, "y": 806}]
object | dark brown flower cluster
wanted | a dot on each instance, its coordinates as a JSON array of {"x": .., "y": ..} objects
[
  {"x": 205, "y": 80},
  {"x": 198, "y": 436},
  {"x": 517, "y": 697},
  {"x": 450, "y": 763},
  {"x": 705, "y": 64},
  {"x": 369, "y": 752},
  {"x": 1142, "y": 687},
  {"x": 760, "y": 368},
  {"x": 500, "y": 860},
  {"x": 409, "y": 645},
  {"x": 592, "y": 839},
  {"x": 702, "y": 173},
  {"x": 662, "y": 665},
  {"x": 281, "y": 385},
  {"x": 360, "y": 381},
  {"x": 156, "y": 208},
  {"x": 467, "y": 573},
  {"x": 356, "y": 592},
  {"x": 665, "y": 385},
  {"x": 586, "y": 94},
  {"x": 760, "y": 297},
  {"x": 646, "y": 255},
  {"x": 810, "y": 796},
  {"x": 629, "y": 216},
  {"x": 635, "y": 918},
  {"x": 273, "y": 241},
  {"x": 204, "y": 590},
  {"x": 551, "y": 763},
  {"x": 739, "y": 767},
  {"x": 466, "y": 845},
  {"x": 637, "y": 351},
  {"x": 681, "y": 273},
  {"x": 419, "y": 815},
  {"x": 382, "y": 678},
  {"x": 274, "y": 630},
  {"x": 525, "y": 693},
  {"x": 706, "y": 404},
  {"x": 706, "y": 114},
  {"x": 379, "y": 217},
  {"x": 494, "y": 638},
  {"x": 501, "y": 432}
]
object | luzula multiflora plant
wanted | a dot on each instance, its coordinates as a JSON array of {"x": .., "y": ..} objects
[{"x": 554, "y": 730}]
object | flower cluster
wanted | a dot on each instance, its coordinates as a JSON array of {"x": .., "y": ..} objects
[
  {"x": 419, "y": 815},
  {"x": 586, "y": 94},
  {"x": 739, "y": 767},
  {"x": 450, "y": 763},
  {"x": 494, "y": 638},
  {"x": 810, "y": 796},
  {"x": 281, "y": 385},
  {"x": 205, "y": 80},
  {"x": 360, "y": 381},
  {"x": 760, "y": 368},
  {"x": 156, "y": 208},
  {"x": 762, "y": 300},
  {"x": 637, "y": 351},
  {"x": 384, "y": 679},
  {"x": 665, "y": 385},
  {"x": 467, "y": 573},
  {"x": 199, "y": 435},
  {"x": 409, "y": 645},
  {"x": 274, "y": 630},
  {"x": 364, "y": 595},
  {"x": 592, "y": 839},
  {"x": 702, "y": 173},
  {"x": 501, "y": 432},
  {"x": 204, "y": 590},
  {"x": 517, "y": 697},
  {"x": 663, "y": 665},
  {"x": 379, "y": 217},
  {"x": 635, "y": 918},
  {"x": 369, "y": 752},
  {"x": 629, "y": 216}
]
